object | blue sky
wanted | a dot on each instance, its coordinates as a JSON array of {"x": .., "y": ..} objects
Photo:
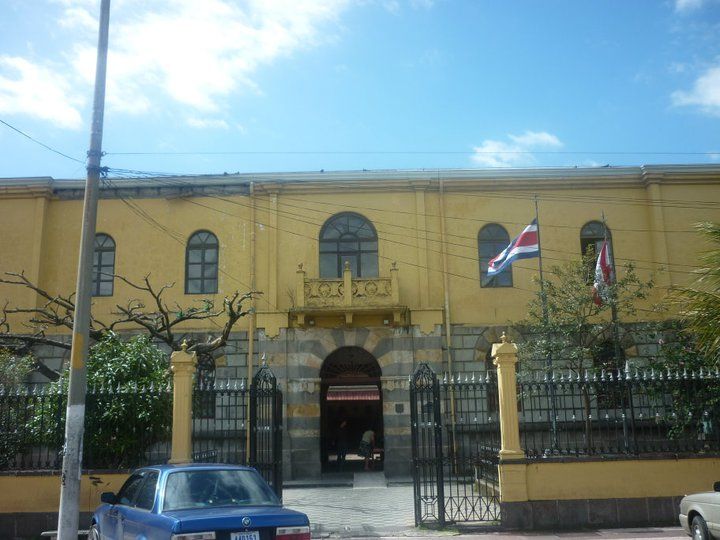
[{"x": 212, "y": 86}]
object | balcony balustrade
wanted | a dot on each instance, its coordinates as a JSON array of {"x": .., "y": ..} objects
[{"x": 347, "y": 297}]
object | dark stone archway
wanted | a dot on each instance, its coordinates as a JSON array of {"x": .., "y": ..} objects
[{"x": 349, "y": 390}]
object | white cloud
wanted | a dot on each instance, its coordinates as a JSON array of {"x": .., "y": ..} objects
[
  {"x": 38, "y": 91},
  {"x": 687, "y": 5},
  {"x": 196, "y": 52},
  {"x": 518, "y": 151},
  {"x": 705, "y": 93},
  {"x": 207, "y": 123}
]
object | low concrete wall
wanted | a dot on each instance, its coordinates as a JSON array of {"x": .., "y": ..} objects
[
  {"x": 600, "y": 493},
  {"x": 29, "y": 502}
]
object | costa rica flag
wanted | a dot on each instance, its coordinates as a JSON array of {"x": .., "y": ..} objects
[
  {"x": 604, "y": 276},
  {"x": 524, "y": 246}
]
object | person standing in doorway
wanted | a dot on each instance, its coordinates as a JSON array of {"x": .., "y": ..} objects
[
  {"x": 367, "y": 448},
  {"x": 342, "y": 443}
]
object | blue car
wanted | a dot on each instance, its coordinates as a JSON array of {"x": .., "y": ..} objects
[{"x": 196, "y": 502}]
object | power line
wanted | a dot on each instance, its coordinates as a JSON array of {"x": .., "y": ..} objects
[
  {"x": 409, "y": 152},
  {"x": 303, "y": 218},
  {"x": 41, "y": 143}
]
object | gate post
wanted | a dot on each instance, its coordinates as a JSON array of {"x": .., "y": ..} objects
[
  {"x": 182, "y": 365},
  {"x": 512, "y": 476},
  {"x": 265, "y": 424},
  {"x": 426, "y": 424}
]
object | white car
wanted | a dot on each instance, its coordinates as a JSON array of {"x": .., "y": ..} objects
[{"x": 700, "y": 514}]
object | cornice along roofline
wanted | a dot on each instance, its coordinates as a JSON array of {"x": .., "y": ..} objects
[{"x": 365, "y": 180}]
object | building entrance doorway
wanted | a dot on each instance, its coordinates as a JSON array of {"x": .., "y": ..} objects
[{"x": 350, "y": 404}]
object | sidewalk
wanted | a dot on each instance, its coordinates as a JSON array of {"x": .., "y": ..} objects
[{"x": 378, "y": 511}]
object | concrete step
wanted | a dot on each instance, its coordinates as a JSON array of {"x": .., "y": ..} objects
[{"x": 369, "y": 479}]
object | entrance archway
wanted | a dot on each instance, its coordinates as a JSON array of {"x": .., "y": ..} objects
[{"x": 350, "y": 391}]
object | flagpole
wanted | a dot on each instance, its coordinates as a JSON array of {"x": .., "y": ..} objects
[
  {"x": 613, "y": 302},
  {"x": 549, "y": 359}
]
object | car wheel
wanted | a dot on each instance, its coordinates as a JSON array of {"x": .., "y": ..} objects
[
  {"x": 699, "y": 529},
  {"x": 93, "y": 532}
]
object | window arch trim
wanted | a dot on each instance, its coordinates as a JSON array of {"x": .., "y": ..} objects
[
  {"x": 489, "y": 247},
  {"x": 103, "y": 269},
  {"x": 351, "y": 237},
  {"x": 202, "y": 263}
]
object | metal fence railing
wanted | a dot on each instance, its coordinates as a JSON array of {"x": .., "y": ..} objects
[
  {"x": 619, "y": 412},
  {"x": 131, "y": 426},
  {"x": 455, "y": 443},
  {"x": 124, "y": 427}
]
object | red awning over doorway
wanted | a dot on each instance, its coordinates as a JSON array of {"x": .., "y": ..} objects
[{"x": 364, "y": 392}]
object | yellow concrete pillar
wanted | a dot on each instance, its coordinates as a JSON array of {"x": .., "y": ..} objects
[
  {"x": 182, "y": 365},
  {"x": 505, "y": 355},
  {"x": 512, "y": 476}
]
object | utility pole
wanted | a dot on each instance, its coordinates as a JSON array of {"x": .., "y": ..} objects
[{"x": 69, "y": 514}]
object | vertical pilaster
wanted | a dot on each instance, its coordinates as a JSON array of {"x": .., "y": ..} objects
[
  {"x": 512, "y": 475},
  {"x": 182, "y": 365},
  {"x": 658, "y": 236},
  {"x": 423, "y": 290},
  {"x": 272, "y": 234}
]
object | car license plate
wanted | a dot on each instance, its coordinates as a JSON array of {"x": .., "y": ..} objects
[{"x": 245, "y": 535}]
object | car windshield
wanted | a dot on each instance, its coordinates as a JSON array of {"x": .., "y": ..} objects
[{"x": 206, "y": 488}]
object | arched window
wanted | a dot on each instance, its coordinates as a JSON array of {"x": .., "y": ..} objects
[
  {"x": 492, "y": 239},
  {"x": 103, "y": 272},
  {"x": 352, "y": 238},
  {"x": 592, "y": 236},
  {"x": 201, "y": 264}
]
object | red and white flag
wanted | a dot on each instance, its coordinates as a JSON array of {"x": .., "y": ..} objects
[{"x": 604, "y": 276}]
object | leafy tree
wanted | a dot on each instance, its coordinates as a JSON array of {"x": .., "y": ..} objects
[
  {"x": 13, "y": 371},
  {"x": 567, "y": 329},
  {"x": 700, "y": 302},
  {"x": 13, "y": 368},
  {"x": 566, "y": 324},
  {"x": 129, "y": 407}
]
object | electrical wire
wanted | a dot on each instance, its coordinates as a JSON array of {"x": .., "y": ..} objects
[{"x": 40, "y": 143}]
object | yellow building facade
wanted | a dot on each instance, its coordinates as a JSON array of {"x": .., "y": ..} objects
[{"x": 363, "y": 275}]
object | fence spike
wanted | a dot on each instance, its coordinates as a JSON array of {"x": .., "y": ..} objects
[
  {"x": 701, "y": 373},
  {"x": 652, "y": 374},
  {"x": 602, "y": 375},
  {"x": 637, "y": 374},
  {"x": 685, "y": 375}
]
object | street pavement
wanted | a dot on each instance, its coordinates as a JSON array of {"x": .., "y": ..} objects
[{"x": 376, "y": 510}]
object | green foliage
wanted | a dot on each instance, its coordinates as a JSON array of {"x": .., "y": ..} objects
[
  {"x": 575, "y": 329},
  {"x": 127, "y": 407},
  {"x": 700, "y": 303},
  {"x": 696, "y": 400},
  {"x": 14, "y": 369}
]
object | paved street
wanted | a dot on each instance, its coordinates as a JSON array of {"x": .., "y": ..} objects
[
  {"x": 348, "y": 512},
  {"x": 355, "y": 512}
]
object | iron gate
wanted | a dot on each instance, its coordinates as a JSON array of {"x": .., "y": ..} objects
[
  {"x": 455, "y": 443},
  {"x": 266, "y": 428}
]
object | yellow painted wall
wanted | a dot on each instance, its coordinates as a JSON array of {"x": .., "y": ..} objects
[
  {"x": 41, "y": 234},
  {"x": 613, "y": 479},
  {"x": 26, "y": 493}
]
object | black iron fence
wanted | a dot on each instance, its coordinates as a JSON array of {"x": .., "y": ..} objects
[
  {"x": 455, "y": 442},
  {"x": 124, "y": 427},
  {"x": 620, "y": 412},
  {"x": 131, "y": 426}
]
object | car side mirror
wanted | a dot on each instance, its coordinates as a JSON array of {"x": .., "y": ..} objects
[
  {"x": 716, "y": 486},
  {"x": 108, "y": 497}
]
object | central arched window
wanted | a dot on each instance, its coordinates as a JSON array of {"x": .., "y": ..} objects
[
  {"x": 492, "y": 239},
  {"x": 103, "y": 271},
  {"x": 201, "y": 264},
  {"x": 592, "y": 236},
  {"x": 352, "y": 238}
]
